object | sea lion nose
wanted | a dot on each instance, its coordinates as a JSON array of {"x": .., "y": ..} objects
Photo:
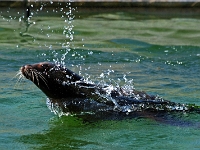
[
  {"x": 25, "y": 68},
  {"x": 22, "y": 69}
]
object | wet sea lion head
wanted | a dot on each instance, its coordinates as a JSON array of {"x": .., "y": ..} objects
[{"x": 56, "y": 81}]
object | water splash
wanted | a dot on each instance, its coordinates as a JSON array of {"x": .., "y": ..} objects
[
  {"x": 67, "y": 15},
  {"x": 55, "y": 108},
  {"x": 125, "y": 102},
  {"x": 68, "y": 31}
]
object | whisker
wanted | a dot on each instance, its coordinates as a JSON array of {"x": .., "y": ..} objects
[
  {"x": 41, "y": 76},
  {"x": 43, "y": 79},
  {"x": 32, "y": 75},
  {"x": 36, "y": 76},
  {"x": 18, "y": 73},
  {"x": 19, "y": 77},
  {"x": 26, "y": 72}
]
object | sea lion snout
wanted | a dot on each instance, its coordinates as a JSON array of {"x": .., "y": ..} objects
[{"x": 26, "y": 71}]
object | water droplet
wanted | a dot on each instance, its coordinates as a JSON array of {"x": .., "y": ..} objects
[
  {"x": 43, "y": 54},
  {"x": 102, "y": 75},
  {"x": 90, "y": 53}
]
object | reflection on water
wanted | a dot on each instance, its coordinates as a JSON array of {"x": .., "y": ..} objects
[
  {"x": 73, "y": 133},
  {"x": 160, "y": 53}
]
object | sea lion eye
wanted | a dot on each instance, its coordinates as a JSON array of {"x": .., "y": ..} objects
[{"x": 42, "y": 67}]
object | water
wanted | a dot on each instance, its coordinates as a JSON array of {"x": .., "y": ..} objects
[{"x": 158, "y": 50}]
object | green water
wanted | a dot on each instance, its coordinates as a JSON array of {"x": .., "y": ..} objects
[{"x": 159, "y": 50}]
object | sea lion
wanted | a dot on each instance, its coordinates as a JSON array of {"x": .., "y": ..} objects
[{"x": 71, "y": 93}]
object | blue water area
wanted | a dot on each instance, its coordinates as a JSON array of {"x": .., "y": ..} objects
[{"x": 160, "y": 52}]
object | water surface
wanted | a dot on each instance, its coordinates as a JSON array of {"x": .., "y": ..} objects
[{"x": 158, "y": 50}]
